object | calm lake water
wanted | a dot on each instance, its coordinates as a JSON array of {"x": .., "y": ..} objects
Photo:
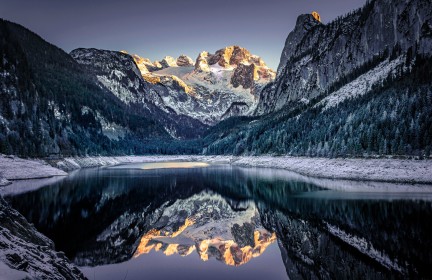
[{"x": 200, "y": 221}]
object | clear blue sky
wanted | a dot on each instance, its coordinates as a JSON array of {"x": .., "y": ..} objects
[{"x": 157, "y": 28}]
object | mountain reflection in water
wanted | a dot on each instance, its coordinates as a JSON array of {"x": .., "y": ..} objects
[{"x": 234, "y": 215}]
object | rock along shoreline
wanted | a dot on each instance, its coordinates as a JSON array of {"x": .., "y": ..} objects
[{"x": 379, "y": 170}]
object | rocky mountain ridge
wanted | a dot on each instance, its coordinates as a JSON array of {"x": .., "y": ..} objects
[
  {"x": 316, "y": 56},
  {"x": 118, "y": 72},
  {"x": 211, "y": 89},
  {"x": 334, "y": 83}
]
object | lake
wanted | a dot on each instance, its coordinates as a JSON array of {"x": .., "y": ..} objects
[{"x": 182, "y": 220}]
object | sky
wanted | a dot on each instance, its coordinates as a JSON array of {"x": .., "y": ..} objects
[{"x": 157, "y": 28}]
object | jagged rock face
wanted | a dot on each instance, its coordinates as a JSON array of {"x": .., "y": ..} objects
[
  {"x": 158, "y": 65},
  {"x": 168, "y": 61},
  {"x": 145, "y": 65},
  {"x": 28, "y": 253},
  {"x": 116, "y": 71},
  {"x": 216, "y": 87},
  {"x": 176, "y": 83},
  {"x": 142, "y": 91},
  {"x": 230, "y": 56},
  {"x": 201, "y": 64},
  {"x": 316, "y": 55},
  {"x": 248, "y": 68},
  {"x": 245, "y": 75},
  {"x": 316, "y": 16},
  {"x": 184, "y": 60}
]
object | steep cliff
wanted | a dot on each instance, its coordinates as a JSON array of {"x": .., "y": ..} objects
[{"x": 316, "y": 56}]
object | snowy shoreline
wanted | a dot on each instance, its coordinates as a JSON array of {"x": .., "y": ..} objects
[{"x": 379, "y": 170}]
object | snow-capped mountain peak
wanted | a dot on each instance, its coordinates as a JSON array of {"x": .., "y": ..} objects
[{"x": 213, "y": 88}]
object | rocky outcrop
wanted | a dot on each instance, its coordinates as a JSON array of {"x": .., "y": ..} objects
[
  {"x": 219, "y": 86},
  {"x": 316, "y": 16},
  {"x": 201, "y": 64},
  {"x": 244, "y": 75},
  {"x": 247, "y": 68},
  {"x": 158, "y": 65},
  {"x": 304, "y": 24},
  {"x": 175, "y": 83},
  {"x": 316, "y": 56},
  {"x": 230, "y": 56},
  {"x": 145, "y": 65},
  {"x": 25, "y": 253},
  {"x": 184, "y": 61},
  {"x": 168, "y": 61}
]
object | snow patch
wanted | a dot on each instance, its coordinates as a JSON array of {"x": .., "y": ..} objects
[
  {"x": 364, "y": 247},
  {"x": 361, "y": 85}
]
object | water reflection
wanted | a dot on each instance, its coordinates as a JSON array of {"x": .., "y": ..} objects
[
  {"x": 205, "y": 223},
  {"x": 160, "y": 165},
  {"x": 233, "y": 215}
]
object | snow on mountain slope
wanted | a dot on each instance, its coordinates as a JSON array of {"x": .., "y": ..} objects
[
  {"x": 207, "y": 224},
  {"x": 362, "y": 85},
  {"x": 220, "y": 85},
  {"x": 123, "y": 76}
]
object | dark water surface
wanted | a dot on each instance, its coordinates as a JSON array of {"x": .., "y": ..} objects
[{"x": 193, "y": 221}]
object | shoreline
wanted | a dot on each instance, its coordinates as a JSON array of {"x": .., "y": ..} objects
[{"x": 376, "y": 170}]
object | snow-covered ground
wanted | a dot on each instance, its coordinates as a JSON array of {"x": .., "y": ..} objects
[
  {"x": 386, "y": 170},
  {"x": 362, "y": 85},
  {"x": 15, "y": 168}
]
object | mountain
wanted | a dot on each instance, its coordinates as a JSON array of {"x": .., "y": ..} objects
[
  {"x": 213, "y": 88},
  {"x": 51, "y": 105},
  {"x": 357, "y": 86},
  {"x": 118, "y": 72},
  {"x": 204, "y": 224},
  {"x": 318, "y": 56}
]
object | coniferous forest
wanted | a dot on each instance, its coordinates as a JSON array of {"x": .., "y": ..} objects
[
  {"x": 52, "y": 107},
  {"x": 395, "y": 118}
]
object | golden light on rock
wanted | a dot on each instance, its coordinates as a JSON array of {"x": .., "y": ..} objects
[
  {"x": 151, "y": 79},
  {"x": 234, "y": 255},
  {"x": 226, "y": 251},
  {"x": 316, "y": 16},
  {"x": 188, "y": 222}
]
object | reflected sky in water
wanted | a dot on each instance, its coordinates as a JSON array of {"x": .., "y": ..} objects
[{"x": 160, "y": 165}]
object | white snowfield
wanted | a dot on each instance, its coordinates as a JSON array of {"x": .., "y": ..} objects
[{"x": 380, "y": 170}]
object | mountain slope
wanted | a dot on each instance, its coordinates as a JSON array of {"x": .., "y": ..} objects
[
  {"x": 338, "y": 93},
  {"x": 219, "y": 86},
  {"x": 318, "y": 56},
  {"x": 52, "y": 105},
  {"x": 119, "y": 73}
]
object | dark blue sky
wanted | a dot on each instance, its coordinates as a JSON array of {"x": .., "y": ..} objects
[{"x": 157, "y": 28}]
